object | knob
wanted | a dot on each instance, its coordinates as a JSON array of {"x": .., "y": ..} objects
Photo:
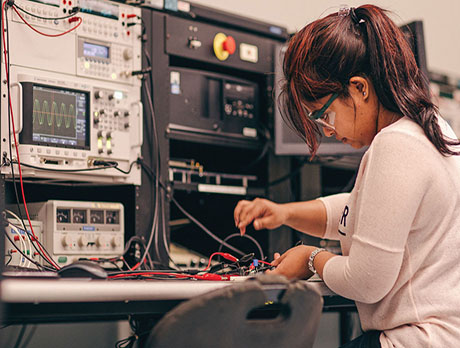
[
  {"x": 101, "y": 241},
  {"x": 96, "y": 117},
  {"x": 108, "y": 144},
  {"x": 116, "y": 241},
  {"x": 126, "y": 114},
  {"x": 66, "y": 240},
  {"x": 127, "y": 54},
  {"x": 127, "y": 125},
  {"x": 100, "y": 144},
  {"x": 99, "y": 94},
  {"x": 83, "y": 241},
  {"x": 116, "y": 113},
  {"x": 101, "y": 112},
  {"x": 111, "y": 96}
]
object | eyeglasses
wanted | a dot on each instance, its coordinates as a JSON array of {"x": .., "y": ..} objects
[{"x": 323, "y": 118}]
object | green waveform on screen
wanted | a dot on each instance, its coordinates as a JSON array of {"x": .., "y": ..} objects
[{"x": 58, "y": 114}]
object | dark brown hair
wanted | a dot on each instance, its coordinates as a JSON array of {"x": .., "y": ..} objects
[{"x": 325, "y": 54}]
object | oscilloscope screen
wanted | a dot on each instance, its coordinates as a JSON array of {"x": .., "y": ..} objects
[{"x": 55, "y": 116}]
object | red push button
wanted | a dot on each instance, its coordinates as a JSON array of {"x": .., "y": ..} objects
[{"x": 229, "y": 45}]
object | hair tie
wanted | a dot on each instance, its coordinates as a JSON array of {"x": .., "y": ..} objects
[{"x": 350, "y": 11}]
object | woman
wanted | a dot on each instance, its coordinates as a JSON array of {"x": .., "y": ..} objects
[{"x": 353, "y": 73}]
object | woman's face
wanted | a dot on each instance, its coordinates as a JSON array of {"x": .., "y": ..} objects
[{"x": 355, "y": 120}]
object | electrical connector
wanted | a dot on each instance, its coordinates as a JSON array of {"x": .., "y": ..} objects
[
  {"x": 73, "y": 19},
  {"x": 208, "y": 276},
  {"x": 229, "y": 257}
]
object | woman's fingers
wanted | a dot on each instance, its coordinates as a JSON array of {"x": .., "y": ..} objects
[
  {"x": 277, "y": 259},
  {"x": 260, "y": 212},
  {"x": 236, "y": 213},
  {"x": 246, "y": 211}
]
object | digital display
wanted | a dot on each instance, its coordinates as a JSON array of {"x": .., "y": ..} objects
[
  {"x": 95, "y": 51},
  {"x": 48, "y": 2},
  {"x": 60, "y": 117},
  {"x": 99, "y": 8}
]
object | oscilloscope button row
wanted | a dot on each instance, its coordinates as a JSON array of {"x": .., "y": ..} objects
[{"x": 57, "y": 152}]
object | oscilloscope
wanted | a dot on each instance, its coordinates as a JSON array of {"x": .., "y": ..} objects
[{"x": 75, "y": 103}]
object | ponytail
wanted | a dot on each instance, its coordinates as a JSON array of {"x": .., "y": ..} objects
[
  {"x": 324, "y": 55},
  {"x": 398, "y": 81}
]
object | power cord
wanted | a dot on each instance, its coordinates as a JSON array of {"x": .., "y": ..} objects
[
  {"x": 27, "y": 257},
  {"x": 191, "y": 217},
  {"x": 100, "y": 165},
  {"x": 252, "y": 239},
  {"x": 11, "y": 117},
  {"x": 71, "y": 19}
]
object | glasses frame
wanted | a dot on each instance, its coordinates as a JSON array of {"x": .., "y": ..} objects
[{"x": 317, "y": 114}]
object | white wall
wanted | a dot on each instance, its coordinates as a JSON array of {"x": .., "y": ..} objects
[{"x": 441, "y": 20}]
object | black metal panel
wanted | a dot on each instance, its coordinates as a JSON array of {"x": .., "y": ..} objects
[
  {"x": 179, "y": 31},
  {"x": 414, "y": 34},
  {"x": 155, "y": 147},
  {"x": 214, "y": 104},
  {"x": 195, "y": 120},
  {"x": 211, "y": 15},
  {"x": 25, "y": 313},
  {"x": 22, "y": 313}
]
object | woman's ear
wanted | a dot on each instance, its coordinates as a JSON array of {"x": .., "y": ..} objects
[{"x": 359, "y": 87}]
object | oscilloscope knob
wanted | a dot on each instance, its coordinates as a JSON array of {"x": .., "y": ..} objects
[
  {"x": 101, "y": 112},
  {"x": 116, "y": 113},
  {"x": 126, "y": 114},
  {"x": 127, "y": 54},
  {"x": 99, "y": 94}
]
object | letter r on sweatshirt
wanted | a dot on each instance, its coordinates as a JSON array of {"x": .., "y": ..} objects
[{"x": 343, "y": 220}]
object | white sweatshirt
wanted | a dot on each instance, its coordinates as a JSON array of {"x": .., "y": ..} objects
[{"x": 399, "y": 231}]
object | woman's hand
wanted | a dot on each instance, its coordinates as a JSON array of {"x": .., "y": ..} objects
[
  {"x": 293, "y": 264},
  {"x": 261, "y": 212}
]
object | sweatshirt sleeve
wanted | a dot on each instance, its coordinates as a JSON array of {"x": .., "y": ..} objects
[
  {"x": 334, "y": 207},
  {"x": 391, "y": 189}
]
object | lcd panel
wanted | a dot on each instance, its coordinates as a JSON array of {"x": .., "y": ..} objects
[
  {"x": 60, "y": 117},
  {"x": 95, "y": 51},
  {"x": 99, "y": 8}
]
